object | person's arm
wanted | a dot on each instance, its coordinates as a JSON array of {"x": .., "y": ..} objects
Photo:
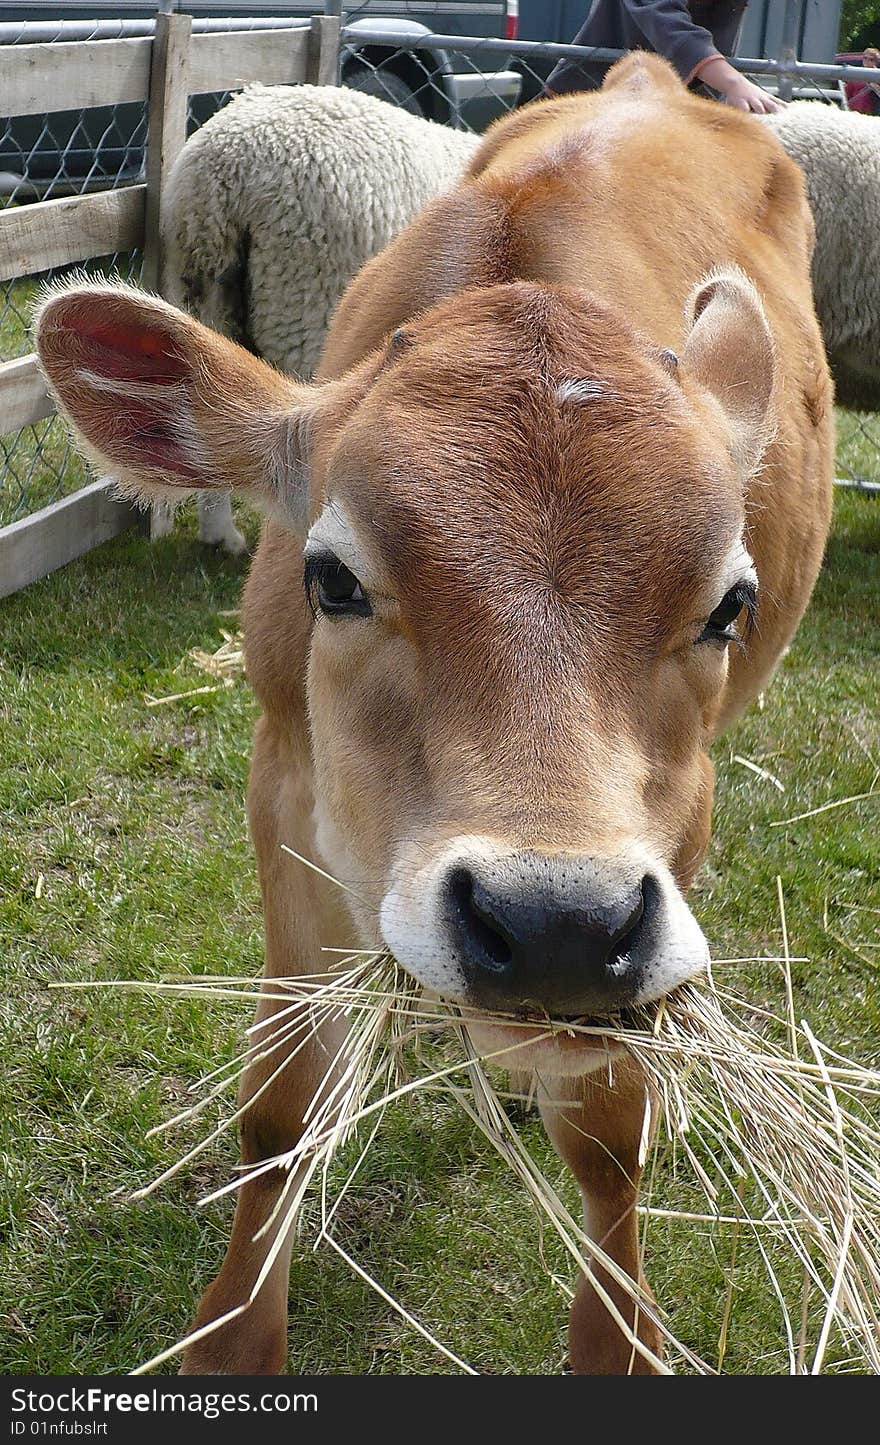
[{"x": 669, "y": 28}]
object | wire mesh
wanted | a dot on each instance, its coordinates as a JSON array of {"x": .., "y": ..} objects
[
  {"x": 467, "y": 89},
  {"x": 47, "y": 157},
  {"x": 858, "y": 449},
  {"x": 37, "y": 463},
  {"x": 471, "y": 87}
]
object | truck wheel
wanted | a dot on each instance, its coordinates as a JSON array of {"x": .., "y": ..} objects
[{"x": 385, "y": 85}]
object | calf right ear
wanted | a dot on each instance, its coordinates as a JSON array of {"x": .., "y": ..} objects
[
  {"x": 168, "y": 407},
  {"x": 730, "y": 352}
]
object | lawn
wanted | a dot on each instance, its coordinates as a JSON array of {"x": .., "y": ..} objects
[{"x": 124, "y": 854}]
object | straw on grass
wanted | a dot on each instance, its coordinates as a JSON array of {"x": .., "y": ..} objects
[{"x": 225, "y": 664}]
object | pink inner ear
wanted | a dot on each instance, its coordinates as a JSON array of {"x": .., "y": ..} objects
[
  {"x": 144, "y": 431},
  {"x": 144, "y": 438},
  {"x": 130, "y": 353},
  {"x": 136, "y": 421}
]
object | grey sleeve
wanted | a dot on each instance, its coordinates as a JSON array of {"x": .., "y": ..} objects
[{"x": 669, "y": 28}]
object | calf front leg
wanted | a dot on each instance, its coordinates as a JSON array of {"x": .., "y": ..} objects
[
  {"x": 597, "y": 1131},
  {"x": 255, "y": 1342},
  {"x": 301, "y": 912}
]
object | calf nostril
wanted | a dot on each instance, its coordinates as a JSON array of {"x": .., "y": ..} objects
[
  {"x": 644, "y": 906},
  {"x": 652, "y": 898},
  {"x": 481, "y": 927},
  {"x": 623, "y": 938}
]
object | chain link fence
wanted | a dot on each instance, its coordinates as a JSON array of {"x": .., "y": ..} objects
[
  {"x": 466, "y": 81},
  {"x": 44, "y": 157},
  {"x": 55, "y": 155},
  {"x": 462, "y": 82}
]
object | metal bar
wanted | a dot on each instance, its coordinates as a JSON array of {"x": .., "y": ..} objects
[
  {"x": 801, "y": 69},
  {"x": 858, "y": 485},
  {"x": 467, "y": 44},
  {"x": 404, "y": 40}
]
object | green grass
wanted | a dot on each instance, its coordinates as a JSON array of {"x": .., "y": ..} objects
[{"x": 134, "y": 821}]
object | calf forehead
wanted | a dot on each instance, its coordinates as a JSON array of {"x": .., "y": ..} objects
[{"x": 517, "y": 460}]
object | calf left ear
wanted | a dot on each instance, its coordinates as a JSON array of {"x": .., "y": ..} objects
[
  {"x": 167, "y": 407},
  {"x": 730, "y": 352}
]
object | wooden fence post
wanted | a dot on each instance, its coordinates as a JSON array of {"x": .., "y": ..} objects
[
  {"x": 169, "y": 97},
  {"x": 323, "y": 59},
  {"x": 166, "y": 134}
]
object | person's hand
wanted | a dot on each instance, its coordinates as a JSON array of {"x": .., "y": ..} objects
[
  {"x": 736, "y": 89},
  {"x": 745, "y": 95}
]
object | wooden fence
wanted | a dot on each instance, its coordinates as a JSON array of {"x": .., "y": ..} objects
[{"x": 163, "y": 71}]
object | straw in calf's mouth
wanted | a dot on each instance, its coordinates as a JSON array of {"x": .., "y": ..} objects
[{"x": 782, "y": 1124}]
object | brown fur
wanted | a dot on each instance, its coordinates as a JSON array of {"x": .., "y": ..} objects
[{"x": 542, "y": 567}]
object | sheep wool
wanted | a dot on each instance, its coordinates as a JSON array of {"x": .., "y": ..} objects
[
  {"x": 274, "y": 205},
  {"x": 839, "y": 153}
]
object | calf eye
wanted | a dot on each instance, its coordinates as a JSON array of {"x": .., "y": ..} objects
[
  {"x": 333, "y": 589},
  {"x": 720, "y": 625}
]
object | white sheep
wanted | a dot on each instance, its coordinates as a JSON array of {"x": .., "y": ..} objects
[
  {"x": 279, "y": 199},
  {"x": 839, "y": 152},
  {"x": 276, "y": 203}
]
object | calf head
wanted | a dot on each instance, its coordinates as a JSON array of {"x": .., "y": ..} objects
[{"x": 524, "y": 552}]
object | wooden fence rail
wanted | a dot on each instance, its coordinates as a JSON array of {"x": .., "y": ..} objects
[
  {"x": 57, "y": 233},
  {"x": 162, "y": 71},
  {"x": 88, "y": 73}
]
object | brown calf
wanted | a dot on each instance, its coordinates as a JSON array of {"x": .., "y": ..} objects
[{"x": 573, "y": 429}]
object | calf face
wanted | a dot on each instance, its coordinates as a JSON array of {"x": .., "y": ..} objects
[{"x": 524, "y": 557}]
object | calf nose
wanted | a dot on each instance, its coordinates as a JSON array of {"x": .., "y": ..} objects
[{"x": 554, "y": 935}]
